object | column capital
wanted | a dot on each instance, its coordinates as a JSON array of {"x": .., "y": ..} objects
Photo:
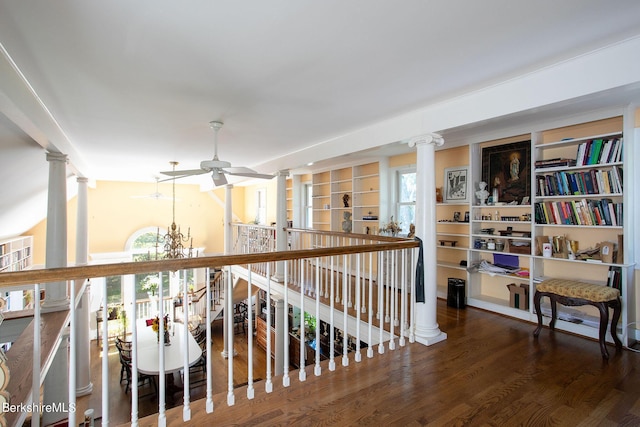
[
  {"x": 427, "y": 138},
  {"x": 283, "y": 172},
  {"x": 59, "y": 157},
  {"x": 82, "y": 179},
  {"x": 228, "y": 186}
]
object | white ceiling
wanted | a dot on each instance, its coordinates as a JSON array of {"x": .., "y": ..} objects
[{"x": 131, "y": 86}]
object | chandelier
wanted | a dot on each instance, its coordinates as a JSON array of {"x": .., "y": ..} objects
[{"x": 173, "y": 242}]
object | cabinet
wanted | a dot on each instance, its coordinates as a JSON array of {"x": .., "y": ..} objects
[
  {"x": 261, "y": 335},
  {"x": 577, "y": 204}
]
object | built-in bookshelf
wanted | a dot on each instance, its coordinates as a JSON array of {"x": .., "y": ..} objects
[
  {"x": 347, "y": 194},
  {"x": 577, "y": 206},
  {"x": 289, "y": 200},
  {"x": 321, "y": 187},
  {"x": 16, "y": 254},
  {"x": 366, "y": 198}
]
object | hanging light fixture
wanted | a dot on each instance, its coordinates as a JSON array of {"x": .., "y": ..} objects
[{"x": 173, "y": 241}]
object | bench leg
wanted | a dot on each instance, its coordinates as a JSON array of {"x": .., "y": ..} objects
[
  {"x": 554, "y": 311},
  {"x": 617, "y": 308},
  {"x": 604, "y": 321},
  {"x": 536, "y": 304}
]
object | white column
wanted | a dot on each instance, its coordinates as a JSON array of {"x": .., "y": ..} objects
[
  {"x": 228, "y": 235},
  {"x": 281, "y": 222},
  {"x": 83, "y": 355},
  {"x": 427, "y": 330},
  {"x": 297, "y": 201},
  {"x": 56, "y": 250},
  {"x": 56, "y": 383},
  {"x": 228, "y": 219}
]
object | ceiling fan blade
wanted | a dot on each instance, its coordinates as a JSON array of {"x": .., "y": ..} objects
[
  {"x": 184, "y": 173},
  {"x": 157, "y": 196},
  {"x": 244, "y": 171}
]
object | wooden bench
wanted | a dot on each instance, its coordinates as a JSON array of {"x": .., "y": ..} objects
[{"x": 574, "y": 293}]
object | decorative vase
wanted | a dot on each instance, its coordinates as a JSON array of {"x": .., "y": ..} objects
[{"x": 167, "y": 340}]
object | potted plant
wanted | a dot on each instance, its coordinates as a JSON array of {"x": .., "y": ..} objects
[
  {"x": 392, "y": 227},
  {"x": 124, "y": 322},
  {"x": 151, "y": 284}
]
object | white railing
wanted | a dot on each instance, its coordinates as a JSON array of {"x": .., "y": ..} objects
[
  {"x": 348, "y": 283},
  {"x": 253, "y": 238}
]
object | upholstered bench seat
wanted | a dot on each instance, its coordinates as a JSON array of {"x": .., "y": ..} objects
[{"x": 575, "y": 293}]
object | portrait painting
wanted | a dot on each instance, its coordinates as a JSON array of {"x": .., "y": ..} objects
[{"x": 507, "y": 169}]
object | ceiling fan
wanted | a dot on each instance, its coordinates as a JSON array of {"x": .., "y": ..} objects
[
  {"x": 218, "y": 168},
  {"x": 157, "y": 195}
]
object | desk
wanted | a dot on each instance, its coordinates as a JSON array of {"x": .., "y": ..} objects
[{"x": 148, "y": 354}]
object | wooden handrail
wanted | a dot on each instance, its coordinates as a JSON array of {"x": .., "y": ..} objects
[
  {"x": 26, "y": 277},
  {"x": 377, "y": 237}
]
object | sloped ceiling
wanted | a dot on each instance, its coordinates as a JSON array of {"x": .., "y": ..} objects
[{"x": 123, "y": 88}]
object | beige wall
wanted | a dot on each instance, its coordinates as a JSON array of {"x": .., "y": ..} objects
[
  {"x": 116, "y": 212},
  {"x": 250, "y": 205}
]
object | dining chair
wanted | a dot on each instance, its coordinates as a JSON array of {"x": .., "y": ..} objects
[{"x": 125, "y": 362}]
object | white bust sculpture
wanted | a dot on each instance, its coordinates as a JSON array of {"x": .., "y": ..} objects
[{"x": 482, "y": 194}]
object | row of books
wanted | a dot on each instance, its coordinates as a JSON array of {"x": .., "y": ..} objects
[
  {"x": 580, "y": 182},
  {"x": 614, "y": 279},
  {"x": 579, "y": 212},
  {"x": 599, "y": 151}
]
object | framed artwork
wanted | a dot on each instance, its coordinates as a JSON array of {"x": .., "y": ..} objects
[
  {"x": 456, "y": 188},
  {"x": 507, "y": 169}
]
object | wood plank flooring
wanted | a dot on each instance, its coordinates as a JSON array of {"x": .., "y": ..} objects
[{"x": 490, "y": 371}]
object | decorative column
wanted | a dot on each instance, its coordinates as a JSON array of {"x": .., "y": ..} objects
[
  {"x": 296, "y": 199},
  {"x": 56, "y": 250},
  {"x": 228, "y": 219},
  {"x": 83, "y": 354},
  {"x": 281, "y": 222},
  {"x": 228, "y": 286},
  {"x": 427, "y": 330},
  {"x": 56, "y": 383}
]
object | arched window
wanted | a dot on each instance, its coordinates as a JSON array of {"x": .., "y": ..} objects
[{"x": 144, "y": 245}]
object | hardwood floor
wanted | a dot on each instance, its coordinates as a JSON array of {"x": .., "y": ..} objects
[{"x": 490, "y": 371}]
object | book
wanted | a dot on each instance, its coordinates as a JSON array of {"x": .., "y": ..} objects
[
  {"x": 556, "y": 162},
  {"x": 604, "y": 203},
  {"x": 580, "y": 154},
  {"x": 612, "y": 215},
  {"x": 588, "y": 182},
  {"x": 606, "y": 150},
  {"x": 594, "y": 157}
]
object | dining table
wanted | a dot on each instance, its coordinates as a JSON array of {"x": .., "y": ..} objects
[{"x": 149, "y": 354}]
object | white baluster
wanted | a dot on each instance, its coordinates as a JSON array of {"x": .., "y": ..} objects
[
  {"x": 345, "y": 284},
  {"x": 332, "y": 359},
  {"x": 250, "y": 388},
  {"x": 317, "y": 370}
]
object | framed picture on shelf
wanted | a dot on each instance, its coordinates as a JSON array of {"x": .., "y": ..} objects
[
  {"x": 456, "y": 188},
  {"x": 506, "y": 168}
]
